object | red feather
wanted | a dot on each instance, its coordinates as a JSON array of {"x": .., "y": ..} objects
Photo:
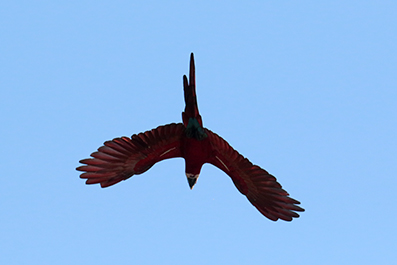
[
  {"x": 261, "y": 188},
  {"x": 123, "y": 157}
]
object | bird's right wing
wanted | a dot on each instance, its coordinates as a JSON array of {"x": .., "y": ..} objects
[
  {"x": 123, "y": 157},
  {"x": 261, "y": 188}
]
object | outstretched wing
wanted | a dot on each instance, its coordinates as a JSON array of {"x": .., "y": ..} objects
[
  {"x": 124, "y": 157},
  {"x": 261, "y": 188}
]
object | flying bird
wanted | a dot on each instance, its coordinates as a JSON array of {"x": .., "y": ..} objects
[{"x": 123, "y": 157}]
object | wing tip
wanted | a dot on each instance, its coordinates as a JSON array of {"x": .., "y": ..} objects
[{"x": 276, "y": 208}]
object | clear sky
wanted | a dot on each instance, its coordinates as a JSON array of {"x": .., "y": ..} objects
[{"x": 305, "y": 89}]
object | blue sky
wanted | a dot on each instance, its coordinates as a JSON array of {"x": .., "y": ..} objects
[{"x": 306, "y": 89}]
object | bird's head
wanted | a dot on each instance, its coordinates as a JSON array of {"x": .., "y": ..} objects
[
  {"x": 192, "y": 179},
  {"x": 193, "y": 168}
]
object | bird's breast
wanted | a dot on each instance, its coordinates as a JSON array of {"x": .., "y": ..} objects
[{"x": 196, "y": 152}]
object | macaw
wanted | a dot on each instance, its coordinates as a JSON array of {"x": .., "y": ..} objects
[{"x": 123, "y": 157}]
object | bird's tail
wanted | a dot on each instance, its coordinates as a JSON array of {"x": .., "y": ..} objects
[{"x": 191, "y": 108}]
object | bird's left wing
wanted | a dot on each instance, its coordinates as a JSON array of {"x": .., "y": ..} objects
[
  {"x": 124, "y": 157},
  {"x": 261, "y": 188}
]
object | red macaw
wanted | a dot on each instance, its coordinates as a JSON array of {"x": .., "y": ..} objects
[{"x": 123, "y": 157}]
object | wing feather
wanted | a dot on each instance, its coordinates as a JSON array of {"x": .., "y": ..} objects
[
  {"x": 260, "y": 187},
  {"x": 123, "y": 157}
]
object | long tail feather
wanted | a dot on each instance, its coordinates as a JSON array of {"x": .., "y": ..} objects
[{"x": 189, "y": 86}]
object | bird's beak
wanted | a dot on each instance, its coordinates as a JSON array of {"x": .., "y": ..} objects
[{"x": 191, "y": 179}]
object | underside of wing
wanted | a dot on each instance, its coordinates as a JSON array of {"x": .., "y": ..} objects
[
  {"x": 123, "y": 157},
  {"x": 260, "y": 187}
]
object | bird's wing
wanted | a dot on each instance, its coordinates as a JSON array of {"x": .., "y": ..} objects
[
  {"x": 261, "y": 188},
  {"x": 123, "y": 157}
]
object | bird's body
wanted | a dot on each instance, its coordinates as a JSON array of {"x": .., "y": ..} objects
[{"x": 124, "y": 157}]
